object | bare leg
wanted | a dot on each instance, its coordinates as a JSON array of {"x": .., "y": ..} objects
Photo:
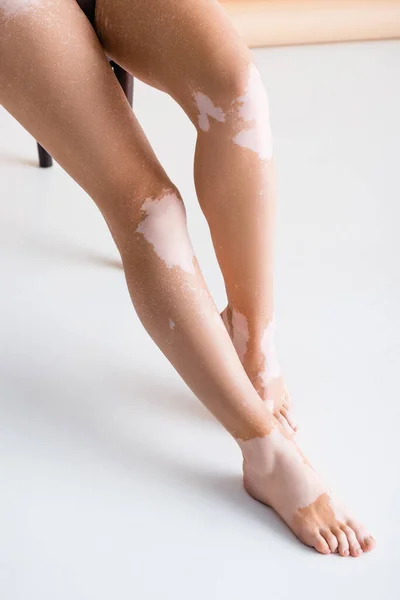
[
  {"x": 188, "y": 49},
  {"x": 55, "y": 79}
]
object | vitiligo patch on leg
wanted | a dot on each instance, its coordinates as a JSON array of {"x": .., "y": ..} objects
[
  {"x": 12, "y": 7},
  {"x": 240, "y": 333},
  {"x": 164, "y": 227},
  {"x": 253, "y": 108},
  {"x": 272, "y": 369},
  {"x": 207, "y": 110},
  {"x": 267, "y": 381}
]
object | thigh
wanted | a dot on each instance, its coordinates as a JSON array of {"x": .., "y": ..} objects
[
  {"x": 177, "y": 46},
  {"x": 55, "y": 79}
]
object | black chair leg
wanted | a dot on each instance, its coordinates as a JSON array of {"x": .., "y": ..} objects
[
  {"x": 45, "y": 159},
  {"x": 126, "y": 81}
]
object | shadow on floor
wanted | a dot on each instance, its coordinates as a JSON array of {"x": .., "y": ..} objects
[
  {"x": 10, "y": 160},
  {"x": 90, "y": 413},
  {"x": 56, "y": 249}
]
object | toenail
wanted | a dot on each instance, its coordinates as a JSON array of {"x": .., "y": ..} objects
[{"x": 369, "y": 540}]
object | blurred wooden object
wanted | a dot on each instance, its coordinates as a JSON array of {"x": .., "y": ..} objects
[{"x": 281, "y": 22}]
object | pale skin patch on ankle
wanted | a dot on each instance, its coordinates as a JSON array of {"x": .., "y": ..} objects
[
  {"x": 270, "y": 405},
  {"x": 272, "y": 369},
  {"x": 164, "y": 227},
  {"x": 207, "y": 110},
  {"x": 240, "y": 333},
  {"x": 253, "y": 109},
  {"x": 260, "y": 455},
  {"x": 171, "y": 324}
]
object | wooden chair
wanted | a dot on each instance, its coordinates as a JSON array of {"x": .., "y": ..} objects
[{"x": 126, "y": 82}]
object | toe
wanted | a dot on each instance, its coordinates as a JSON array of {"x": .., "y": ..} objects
[
  {"x": 343, "y": 544},
  {"x": 368, "y": 544},
  {"x": 354, "y": 545},
  {"x": 321, "y": 545},
  {"x": 366, "y": 541},
  {"x": 330, "y": 539}
]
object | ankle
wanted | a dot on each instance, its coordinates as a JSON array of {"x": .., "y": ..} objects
[
  {"x": 259, "y": 455},
  {"x": 253, "y": 325}
]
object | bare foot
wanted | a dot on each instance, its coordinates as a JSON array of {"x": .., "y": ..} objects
[
  {"x": 277, "y": 474},
  {"x": 261, "y": 365}
]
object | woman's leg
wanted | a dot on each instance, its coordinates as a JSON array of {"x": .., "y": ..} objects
[
  {"x": 56, "y": 81},
  {"x": 189, "y": 50}
]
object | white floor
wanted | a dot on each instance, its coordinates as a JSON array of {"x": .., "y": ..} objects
[{"x": 115, "y": 482}]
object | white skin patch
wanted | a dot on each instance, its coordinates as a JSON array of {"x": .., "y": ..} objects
[
  {"x": 12, "y": 7},
  {"x": 270, "y": 405},
  {"x": 171, "y": 324},
  {"x": 240, "y": 333},
  {"x": 254, "y": 109},
  {"x": 164, "y": 227},
  {"x": 272, "y": 368},
  {"x": 262, "y": 454},
  {"x": 206, "y": 110}
]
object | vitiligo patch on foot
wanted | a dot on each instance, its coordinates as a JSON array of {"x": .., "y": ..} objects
[
  {"x": 164, "y": 227},
  {"x": 276, "y": 474},
  {"x": 260, "y": 453}
]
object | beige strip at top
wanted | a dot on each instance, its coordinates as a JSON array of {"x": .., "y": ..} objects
[{"x": 281, "y": 22}]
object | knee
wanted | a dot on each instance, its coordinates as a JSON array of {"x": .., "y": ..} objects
[
  {"x": 157, "y": 230},
  {"x": 215, "y": 91},
  {"x": 229, "y": 79},
  {"x": 238, "y": 100}
]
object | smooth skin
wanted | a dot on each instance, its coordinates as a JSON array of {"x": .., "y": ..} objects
[{"x": 56, "y": 81}]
